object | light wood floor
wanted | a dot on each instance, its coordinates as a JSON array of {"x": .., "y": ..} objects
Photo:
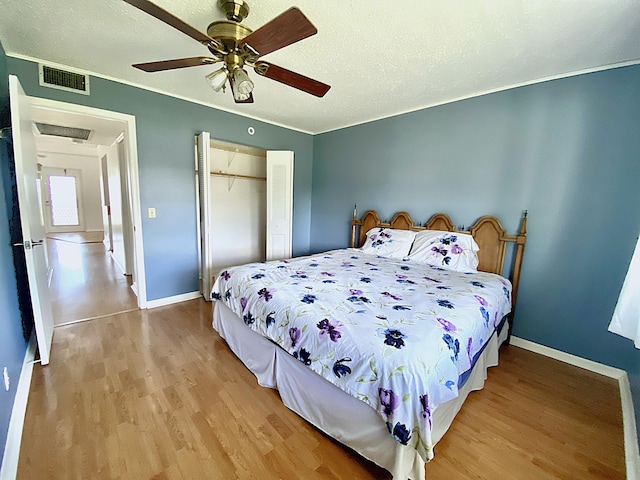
[
  {"x": 86, "y": 282},
  {"x": 78, "y": 237},
  {"x": 157, "y": 394}
]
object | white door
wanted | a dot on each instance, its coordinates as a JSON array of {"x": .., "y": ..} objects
[
  {"x": 106, "y": 204},
  {"x": 279, "y": 204},
  {"x": 203, "y": 167},
  {"x": 33, "y": 231},
  {"x": 62, "y": 200},
  {"x": 117, "y": 209},
  {"x": 125, "y": 203}
]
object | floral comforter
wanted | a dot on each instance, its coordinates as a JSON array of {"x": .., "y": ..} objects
[{"x": 394, "y": 334}]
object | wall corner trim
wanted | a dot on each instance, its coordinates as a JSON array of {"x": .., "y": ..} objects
[
  {"x": 16, "y": 423},
  {"x": 631, "y": 449}
]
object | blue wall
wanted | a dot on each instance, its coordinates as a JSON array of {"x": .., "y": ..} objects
[
  {"x": 166, "y": 127},
  {"x": 567, "y": 150},
  {"x": 12, "y": 343}
]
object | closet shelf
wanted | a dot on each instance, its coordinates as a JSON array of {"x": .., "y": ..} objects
[{"x": 237, "y": 175}]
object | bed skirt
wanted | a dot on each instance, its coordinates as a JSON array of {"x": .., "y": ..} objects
[{"x": 355, "y": 423}]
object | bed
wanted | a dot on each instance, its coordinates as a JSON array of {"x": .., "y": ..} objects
[{"x": 378, "y": 345}]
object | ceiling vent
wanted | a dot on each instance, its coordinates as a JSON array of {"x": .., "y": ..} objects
[
  {"x": 61, "y": 131},
  {"x": 63, "y": 79}
]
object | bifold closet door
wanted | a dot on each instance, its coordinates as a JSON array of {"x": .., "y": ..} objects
[
  {"x": 203, "y": 167},
  {"x": 279, "y": 204}
]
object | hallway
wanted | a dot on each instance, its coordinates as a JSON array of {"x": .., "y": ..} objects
[{"x": 86, "y": 282}]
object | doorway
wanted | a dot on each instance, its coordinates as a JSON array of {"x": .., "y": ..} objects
[{"x": 88, "y": 278}]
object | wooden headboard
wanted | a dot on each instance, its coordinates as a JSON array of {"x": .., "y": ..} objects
[{"x": 488, "y": 233}]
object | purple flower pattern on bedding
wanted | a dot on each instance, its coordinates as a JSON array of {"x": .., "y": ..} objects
[
  {"x": 329, "y": 329},
  {"x": 443, "y": 249},
  {"x": 393, "y": 340}
]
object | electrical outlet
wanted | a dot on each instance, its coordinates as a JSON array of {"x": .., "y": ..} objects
[{"x": 5, "y": 375}]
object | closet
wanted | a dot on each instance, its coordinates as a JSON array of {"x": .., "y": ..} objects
[{"x": 245, "y": 200}]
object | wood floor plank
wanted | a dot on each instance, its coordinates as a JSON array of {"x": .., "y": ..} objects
[{"x": 158, "y": 394}]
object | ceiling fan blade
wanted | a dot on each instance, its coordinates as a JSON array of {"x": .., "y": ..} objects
[
  {"x": 287, "y": 28},
  {"x": 177, "y": 63},
  {"x": 293, "y": 79},
  {"x": 170, "y": 19}
]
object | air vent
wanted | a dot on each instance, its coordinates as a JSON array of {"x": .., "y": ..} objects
[
  {"x": 63, "y": 79},
  {"x": 62, "y": 131}
]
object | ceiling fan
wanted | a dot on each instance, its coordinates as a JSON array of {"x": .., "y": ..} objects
[{"x": 238, "y": 47}]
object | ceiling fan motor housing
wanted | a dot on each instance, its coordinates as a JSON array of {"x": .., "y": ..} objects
[
  {"x": 228, "y": 33},
  {"x": 235, "y": 10}
]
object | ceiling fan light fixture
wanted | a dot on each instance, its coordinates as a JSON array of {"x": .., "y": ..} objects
[
  {"x": 217, "y": 79},
  {"x": 242, "y": 83},
  {"x": 240, "y": 97}
]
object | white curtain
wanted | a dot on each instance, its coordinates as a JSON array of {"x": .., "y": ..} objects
[{"x": 626, "y": 316}]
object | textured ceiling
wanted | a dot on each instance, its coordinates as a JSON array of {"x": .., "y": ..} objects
[{"x": 381, "y": 57}]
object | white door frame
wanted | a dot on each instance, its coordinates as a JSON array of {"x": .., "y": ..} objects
[{"x": 131, "y": 147}]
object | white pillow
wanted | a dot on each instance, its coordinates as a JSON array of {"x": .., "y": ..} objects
[
  {"x": 450, "y": 250},
  {"x": 388, "y": 242}
]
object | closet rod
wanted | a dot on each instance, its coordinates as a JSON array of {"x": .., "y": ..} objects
[{"x": 235, "y": 175}]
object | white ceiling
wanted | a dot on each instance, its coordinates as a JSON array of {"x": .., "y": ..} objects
[{"x": 381, "y": 58}]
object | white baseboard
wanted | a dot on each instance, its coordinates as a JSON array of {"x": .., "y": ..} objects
[
  {"x": 600, "y": 368},
  {"x": 14, "y": 434},
  {"x": 161, "y": 302},
  {"x": 631, "y": 450}
]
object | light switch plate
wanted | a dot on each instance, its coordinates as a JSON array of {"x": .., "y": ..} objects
[{"x": 152, "y": 212}]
